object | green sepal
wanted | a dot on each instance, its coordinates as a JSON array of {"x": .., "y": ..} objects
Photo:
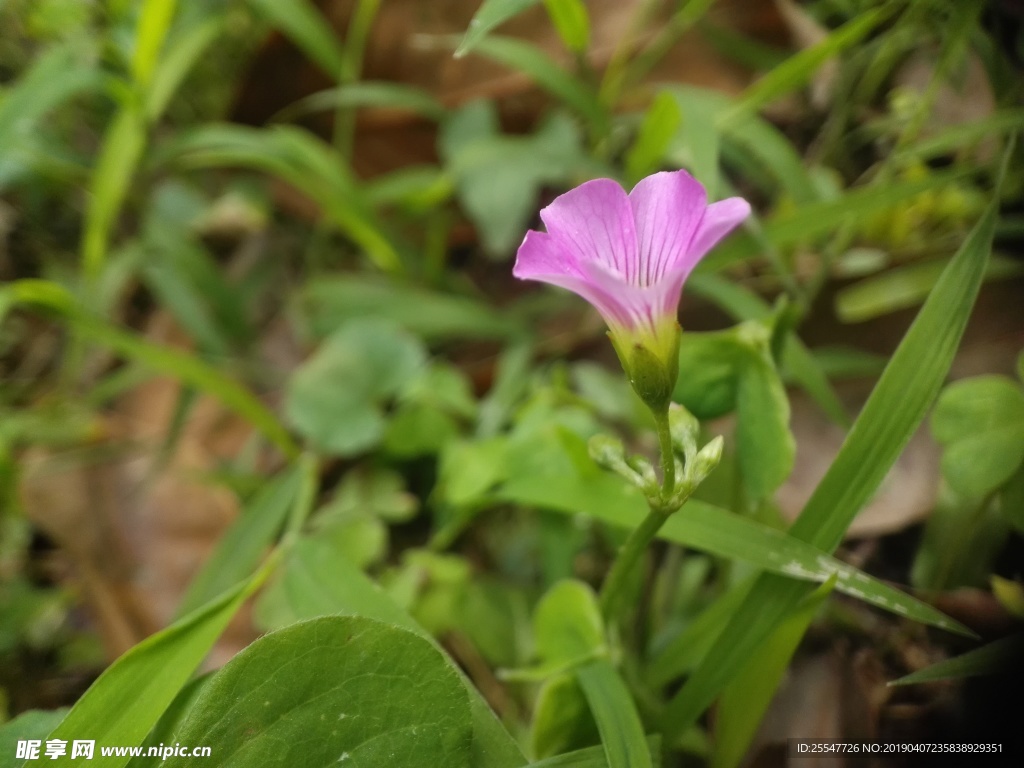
[{"x": 651, "y": 363}]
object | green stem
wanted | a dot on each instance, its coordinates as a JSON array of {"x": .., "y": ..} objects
[
  {"x": 629, "y": 555},
  {"x": 642, "y": 535},
  {"x": 668, "y": 459}
]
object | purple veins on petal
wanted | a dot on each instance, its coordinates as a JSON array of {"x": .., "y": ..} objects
[
  {"x": 595, "y": 221},
  {"x": 628, "y": 255},
  {"x": 668, "y": 208},
  {"x": 719, "y": 220}
]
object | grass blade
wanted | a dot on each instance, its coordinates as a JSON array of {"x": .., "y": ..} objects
[
  {"x": 367, "y": 93},
  {"x": 745, "y": 701},
  {"x": 54, "y": 77},
  {"x": 818, "y": 218},
  {"x": 904, "y": 287},
  {"x": 489, "y": 15},
  {"x": 800, "y": 68},
  {"x": 301, "y": 22},
  {"x": 304, "y": 162},
  {"x": 119, "y": 156},
  {"x": 622, "y": 732},
  {"x": 533, "y": 62},
  {"x": 989, "y": 659},
  {"x": 240, "y": 549},
  {"x": 179, "y": 365},
  {"x": 154, "y": 21},
  {"x": 176, "y": 63},
  {"x": 895, "y": 409},
  {"x": 128, "y": 698},
  {"x": 711, "y": 529}
]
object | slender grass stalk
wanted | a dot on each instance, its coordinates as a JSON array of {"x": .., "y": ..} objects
[{"x": 642, "y": 535}]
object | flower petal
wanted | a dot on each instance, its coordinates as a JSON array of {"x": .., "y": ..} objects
[
  {"x": 668, "y": 208},
  {"x": 719, "y": 220},
  {"x": 594, "y": 222},
  {"x": 543, "y": 258},
  {"x": 636, "y": 307},
  {"x": 542, "y": 255}
]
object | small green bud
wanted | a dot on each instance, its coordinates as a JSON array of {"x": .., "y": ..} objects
[
  {"x": 685, "y": 429},
  {"x": 645, "y": 469},
  {"x": 609, "y": 453},
  {"x": 651, "y": 363},
  {"x": 705, "y": 461}
]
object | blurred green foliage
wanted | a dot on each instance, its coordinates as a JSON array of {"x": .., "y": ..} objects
[{"x": 417, "y": 488}]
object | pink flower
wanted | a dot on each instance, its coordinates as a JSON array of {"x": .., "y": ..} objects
[{"x": 629, "y": 255}]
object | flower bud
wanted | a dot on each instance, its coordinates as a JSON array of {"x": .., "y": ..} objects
[
  {"x": 609, "y": 453},
  {"x": 705, "y": 462}
]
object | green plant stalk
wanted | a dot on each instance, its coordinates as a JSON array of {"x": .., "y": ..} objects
[
  {"x": 355, "y": 45},
  {"x": 668, "y": 459},
  {"x": 661, "y": 510}
]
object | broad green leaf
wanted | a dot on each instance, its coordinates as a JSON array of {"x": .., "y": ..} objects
[
  {"x": 366, "y": 93},
  {"x": 995, "y": 658},
  {"x": 510, "y": 380},
  {"x": 980, "y": 424},
  {"x": 746, "y": 699},
  {"x": 469, "y": 469},
  {"x": 711, "y": 529},
  {"x": 336, "y": 397},
  {"x": 332, "y": 690},
  {"x": 315, "y": 581},
  {"x": 376, "y": 491},
  {"x": 709, "y": 366},
  {"x": 753, "y": 137},
  {"x": 622, "y": 732},
  {"x": 129, "y": 697},
  {"x": 561, "y": 719},
  {"x": 240, "y": 549},
  {"x": 172, "y": 362},
  {"x": 656, "y": 131},
  {"x": 418, "y": 429},
  {"x": 533, "y": 62},
  {"x": 330, "y": 302},
  {"x": 890, "y": 417},
  {"x": 733, "y": 369},
  {"x": 743, "y": 304},
  {"x": 567, "y": 623},
  {"x": 169, "y": 722},
  {"x": 904, "y": 287},
  {"x": 571, "y": 21},
  {"x": 1011, "y": 501},
  {"x": 35, "y": 725},
  {"x": 301, "y": 22},
  {"x": 489, "y": 15},
  {"x": 765, "y": 446},
  {"x": 497, "y": 177}
]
